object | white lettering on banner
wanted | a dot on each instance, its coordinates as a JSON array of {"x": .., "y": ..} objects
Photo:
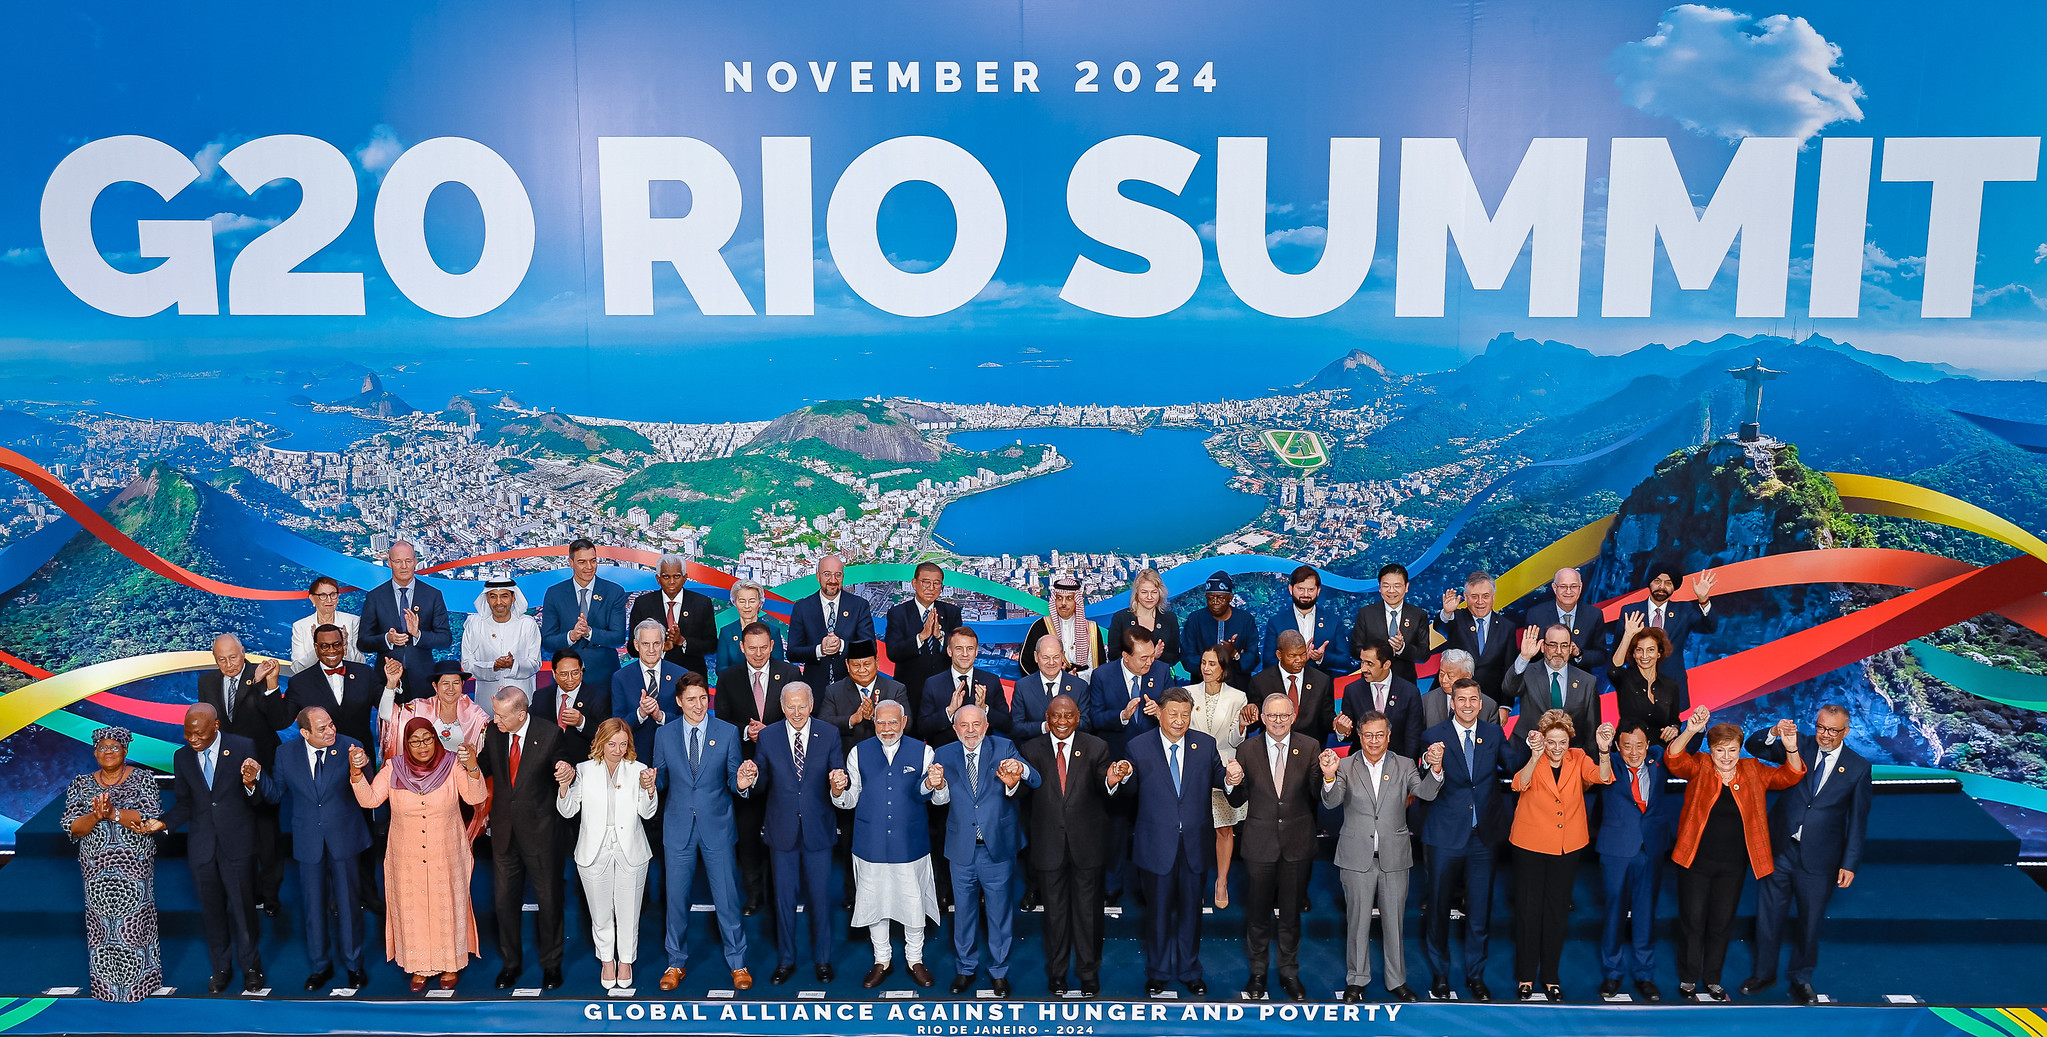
[
  {"x": 399, "y": 221},
  {"x": 1545, "y": 202},
  {"x": 1841, "y": 227},
  {"x": 983, "y": 1019},
  {"x": 264, "y": 278},
  {"x": 185, "y": 278},
  {"x": 1095, "y": 201},
  {"x": 1958, "y": 167},
  {"x": 906, "y": 76},
  {"x": 634, "y": 239},
  {"x": 1352, "y": 232},
  {"x": 1647, "y": 198},
  {"x": 981, "y": 226},
  {"x": 786, "y": 226}
]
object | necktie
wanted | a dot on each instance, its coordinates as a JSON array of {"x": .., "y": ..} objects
[
  {"x": 1173, "y": 764},
  {"x": 797, "y": 751},
  {"x": 319, "y": 762},
  {"x": 206, "y": 767},
  {"x": 1379, "y": 696},
  {"x": 1293, "y": 690},
  {"x": 1469, "y": 765},
  {"x": 567, "y": 703},
  {"x": 760, "y": 694},
  {"x": 1819, "y": 772},
  {"x": 1278, "y": 758},
  {"x": 831, "y": 616},
  {"x": 966, "y": 693},
  {"x": 974, "y": 773},
  {"x": 404, "y": 602},
  {"x": 1483, "y": 623},
  {"x": 1392, "y": 622},
  {"x": 1641, "y": 792},
  {"x": 1556, "y": 691},
  {"x": 671, "y": 613},
  {"x": 513, "y": 777},
  {"x": 228, "y": 688},
  {"x": 1656, "y": 616},
  {"x": 696, "y": 747},
  {"x": 583, "y": 601},
  {"x": 1059, "y": 758}
]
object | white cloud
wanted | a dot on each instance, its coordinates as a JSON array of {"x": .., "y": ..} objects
[
  {"x": 233, "y": 224},
  {"x": 376, "y": 154},
  {"x": 22, "y": 256},
  {"x": 2040, "y": 253},
  {"x": 1306, "y": 237},
  {"x": 2012, "y": 300},
  {"x": 1878, "y": 265},
  {"x": 1727, "y": 74}
]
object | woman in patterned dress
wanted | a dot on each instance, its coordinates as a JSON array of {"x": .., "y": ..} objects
[
  {"x": 1219, "y": 710},
  {"x": 430, "y": 927},
  {"x": 111, "y": 813}
]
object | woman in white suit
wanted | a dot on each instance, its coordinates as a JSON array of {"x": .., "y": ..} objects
[
  {"x": 613, "y": 792},
  {"x": 1221, "y": 711}
]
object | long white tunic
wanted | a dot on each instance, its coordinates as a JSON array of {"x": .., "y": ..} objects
[
  {"x": 888, "y": 892},
  {"x": 485, "y": 639}
]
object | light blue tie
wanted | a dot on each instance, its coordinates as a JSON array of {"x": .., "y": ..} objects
[
  {"x": 1173, "y": 764},
  {"x": 206, "y": 767},
  {"x": 1482, "y": 624},
  {"x": 1469, "y": 765}
]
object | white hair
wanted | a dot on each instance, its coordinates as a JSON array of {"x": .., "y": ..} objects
[
  {"x": 890, "y": 704},
  {"x": 1459, "y": 657},
  {"x": 229, "y": 638},
  {"x": 647, "y": 624},
  {"x": 679, "y": 561},
  {"x": 510, "y": 696},
  {"x": 796, "y": 688}
]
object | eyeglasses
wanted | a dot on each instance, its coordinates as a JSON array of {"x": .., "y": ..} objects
[
  {"x": 1842, "y": 730},
  {"x": 1270, "y": 717},
  {"x": 1372, "y": 736},
  {"x": 1558, "y": 644},
  {"x": 326, "y": 594}
]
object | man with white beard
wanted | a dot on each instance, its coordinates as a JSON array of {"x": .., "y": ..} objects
[{"x": 890, "y": 780}]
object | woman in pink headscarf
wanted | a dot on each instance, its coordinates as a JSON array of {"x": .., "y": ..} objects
[{"x": 429, "y": 926}]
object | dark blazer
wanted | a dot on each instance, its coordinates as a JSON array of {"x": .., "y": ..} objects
[
  {"x": 994, "y": 811},
  {"x": 1495, "y": 659},
  {"x": 380, "y": 615},
  {"x": 914, "y": 665},
  {"x": 1109, "y": 692},
  {"x": 1315, "y": 716},
  {"x": 324, "y": 813},
  {"x": 1681, "y": 619},
  {"x": 1028, "y": 661},
  {"x": 1625, "y": 829},
  {"x": 1581, "y": 700},
  {"x": 798, "y": 811},
  {"x": 593, "y": 700},
  {"x": 222, "y": 818},
  {"x": 807, "y": 631},
  {"x": 1279, "y": 827},
  {"x": 361, "y": 688},
  {"x": 1631, "y": 697},
  {"x": 695, "y": 615},
  {"x": 522, "y": 806},
  {"x": 934, "y": 729},
  {"x": 599, "y": 651},
  {"x": 1034, "y": 695},
  {"x": 1588, "y": 632},
  {"x": 1494, "y": 756},
  {"x": 1370, "y": 625},
  {"x": 1167, "y": 631},
  {"x": 1202, "y": 630},
  {"x": 1404, "y": 720},
  {"x": 1068, "y": 828},
  {"x": 1337, "y": 659},
  {"x": 626, "y": 686},
  {"x": 1834, "y": 819},
  {"x": 1169, "y": 823},
  {"x": 259, "y": 712},
  {"x": 731, "y": 654},
  {"x": 734, "y": 702},
  {"x": 836, "y": 706}
]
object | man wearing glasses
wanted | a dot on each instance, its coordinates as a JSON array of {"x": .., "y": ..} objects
[
  {"x": 325, "y": 594},
  {"x": 1279, "y": 842},
  {"x": 1556, "y": 684}
]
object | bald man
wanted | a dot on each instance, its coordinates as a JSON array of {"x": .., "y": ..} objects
[
  {"x": 404, "y": 619},
  {"x": 1568, "y": 608},
  {"x": 245, "y": 698}
]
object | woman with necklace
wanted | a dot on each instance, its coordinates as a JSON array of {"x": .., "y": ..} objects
[{"x": 111, "y": 814}]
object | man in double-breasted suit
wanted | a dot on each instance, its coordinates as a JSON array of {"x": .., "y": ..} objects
[
  {"x": 1637, "y": 818},
  {"x": 217, "y": 785},
  {"x": 1464, "y": 824},
  {"x": 245, "y": 699},
  {"x": 1554, "y": 683},
  {"x": 328, "y": 836},
  {"x": 1374, "y": 855},
  {"x": 982, "y": 776},
  {"x": 1278, "y": 841},
  {"x": 750, "y": 698},
  {"x": 696, "y": 767},
  {"x": 523, "y": 760},
  {"x": 1068, "y": 823},
  {"x": 798, "y": 765}
]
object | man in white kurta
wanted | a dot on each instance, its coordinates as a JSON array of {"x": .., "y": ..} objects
[
  {"x": 890, "y": 780},
  {"x": 500, "y": 642}
]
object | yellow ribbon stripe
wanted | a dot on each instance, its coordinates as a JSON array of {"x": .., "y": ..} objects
[
  {"x": 1875, "y": 495},
  {"x": 25, "y": 706},
  {"x": 1575, "y": 548}
]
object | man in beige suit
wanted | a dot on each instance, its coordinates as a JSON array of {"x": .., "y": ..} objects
[{"x": 1372, "y": 787}]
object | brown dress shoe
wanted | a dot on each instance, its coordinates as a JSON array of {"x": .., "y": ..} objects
[
  {"x": 920, "y": 975},
  {"x": 672, "y": 979},
  {"x": 418, "y": 982},
  {"x": 742, "y": 979},
  {"x": 449, "y": 979}
]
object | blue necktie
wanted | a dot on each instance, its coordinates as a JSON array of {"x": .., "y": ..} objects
[
  {"x": 1173, "y": 764},
  {"x": 696, "y": 747},
  {"x": 404, "y": 602},
  {"x": 206, "y": 767},
  {"x": 1469, "y": 767},
  {"x": 1482, "y": 623}
]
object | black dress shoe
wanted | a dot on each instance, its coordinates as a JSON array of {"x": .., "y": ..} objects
[
  {"x": 1001, "y": 986},
  {"x": 1440, "y": 990},
  {"x": 878, "y": 974},
  {"x": 1553, "y": 993},
  {"x": 1648, "y": 990},
  {"x": 962, "y": 983},
  {"x": 269, "y": 908},
  {"x": 507, "y": 979},
  {"x": 1353, "y": 993},
  {"x": 1524, "y": 992},
  {"x": 358, "y": 979},
  {"x": 1294, "y": 989},
  {"x": 1198, "y": 988},
  {"x": 752, "y": 907},
  {"x": 1403, "y": 993},
  {"x": 824, "y": 973},
  {"x": 1804, "y": 994},
  {"x": 252, "y": 980},
  {"x": 1752, "y": 986},
  {"x": 551, "y": 979},
  {"x": 782, "y": 974},
  {"x": 217, "y": 983},
  {"x": 1716, "y": 991},
  {"x": 1479, "y": 991},
  {"x": 1686, "y": 990},
  {"x": 1153, "y": 988},
  {"x": 921, "y": 975},
  {"x": 1090, "y": 988},
  {"x": 1055, "y": 987},
  {"x": 320, "y": 979},
  {"x": 1255, "y": 990},
  {"x": 1610, "y": 987}
]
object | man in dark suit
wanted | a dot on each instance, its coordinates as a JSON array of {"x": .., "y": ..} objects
[
  {"x": 917, "y": 632},
  {"x": 796, "y": 768},
  {"x": 1175, "y": 772},
  {"x": 1222, "y": 623},
  {"x": 585, "y": 614},
  {"x": 328, "y": 836},
  {"x": 1066, "y": 822},
  {"x": 574, "y": 705},
  {"x": 1816, "y": 827},
  {"x": 1123, "y": 703},
  {"x": 1312, "y": 691},
  {"x": 1379, "y": 690},
  {"x": 1464, "y": 824},
  {"x": 980, "y": 776},
  {"x": 750, "y": 698},
  {"x": 217, "y": 785},
  {"x": 1635, "y": 830},
  {"x": 245, "y": 699},
  {"x": 960, "y": 684},
  {"x": 689, "y": 620},
  {"x": 1556, "y": 683},
  {"x": 1321, "y": 628},
  {"x": 1470, "y": 623},
  {"x": 523, "y": 761},
  {"x": 1403, "y": 625},
  {"x": 405, "y": 619},
  {"x": 1568, "y": 608},
  {"x": 1035, "y": 692},
  {"x": 821, "y": 625},
  {"x": 848, "y": 705},
  {"x": 1679, "y": 620},
  {"x": 1278, "y": 841},
  {"x": 347, "y": 691},
  {"x": 643, "y": 691}
]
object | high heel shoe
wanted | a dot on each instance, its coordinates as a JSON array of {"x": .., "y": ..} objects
[
  {"x": 1222, "y": 897},
  {"x": 625, "y": 977}
]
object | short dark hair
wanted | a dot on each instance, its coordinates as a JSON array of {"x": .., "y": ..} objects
[
  {"x": 1633, "y": 724},
  {"x": 1393, "y": 569},
  {"x": 1367, "y": 717},
  {"x": 581, "y": 544},
  {"x": 963, "y": 629},
  {"x": 756, "y": 627},
  {"x": 566, "y": 654},
  {"x": 691, "y": 679},
  {"x": 324, "y": 627},
  {"x": 1378, "y": 646},
  {"x": 1136, "y": 634},
  {"x": 314, "y": 587},
  {"x": 1176, "y": 694},
  {"x": 306, "y": 717},
  {"x": 1301, "y": 573},
  {"x": 922, "y": 567},
  {"x": 1463, "y": 683}
]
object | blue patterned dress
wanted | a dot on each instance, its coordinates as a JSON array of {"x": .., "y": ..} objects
[{"x": 120, "y": 887}]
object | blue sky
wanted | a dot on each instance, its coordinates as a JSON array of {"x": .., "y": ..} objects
[{"x": 539, "y": 82}]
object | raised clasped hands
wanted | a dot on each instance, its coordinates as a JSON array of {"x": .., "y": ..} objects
[
  {"x": 1344, "y": 725},
  {"x": 1010, "y": 772},
  {"x": 1328, "y": 761},
  {"x": 250, "y": 772},
  {"x": 357, "y": 758},
  {"x": 749, "y": 772},
  {"x": 1604, "y": 737},
  {"x": 647, "y": 779},
  {"x": 934, "y": 777},
  {"x": 839, "y": 781},
  {"x": 1434, "y": 757},
  {"x": 1119, "y": 771}
]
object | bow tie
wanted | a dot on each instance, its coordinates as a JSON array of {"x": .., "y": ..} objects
[{"x": 337, "y": 671}]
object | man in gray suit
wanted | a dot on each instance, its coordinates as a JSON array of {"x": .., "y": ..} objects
[
  {"x": 1556, "y": 684},
  {"x": 1371, "y": 787}
]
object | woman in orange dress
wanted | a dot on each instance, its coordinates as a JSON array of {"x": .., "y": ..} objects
[
  {"x": 1549, "y": 838},
  {"x": 429, "y": 926}
]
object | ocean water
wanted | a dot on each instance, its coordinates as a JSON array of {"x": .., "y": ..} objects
[{"x": 1124, "y": 493}]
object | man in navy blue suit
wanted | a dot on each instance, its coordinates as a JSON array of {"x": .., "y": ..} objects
[
  {"x": 822, "y": 624},
  {"x": 1403, "y": 625},
  {"x": 1379, "y": 689},
  {"x": 696, "y": 765},
  {"x": 586, "y": 614},
  {"x": 1035, "y": 691},
  {"x": 982, "y": 838},
  {"x": 217, "y": 784},
  {"x": 328, "y": 836},
  {"x": 643, "y": 691},
  {"x": 1816, "y": 827},
  {"x": 750, "y": 698},
  {"x": 1175, "y": 772},
  {"x": 1634, "y": 837},
  {"x": 404, "y": 619},
  {"x": 960, "y": 684},
  {"x": 347, "y": 691},
  {"x": 1321, "y": 628},
  {"x": 1469, "y": 622},
  {"x": 1464, "y": 824},
  {"x": 1123, "y": 702},
  {"x": 1568, "y": 608},
  {"x": 917, "y": 632},
  {"x": 798, "y": 766},
  {"x": 1678, "y": 620}
]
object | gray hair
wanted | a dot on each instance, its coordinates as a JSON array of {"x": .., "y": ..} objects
[
  {"x": 1459, "y": 658},
  {"x": 510, "y": 696},
  {"x": 797, "y": 688},
  {"x": 961, "y": 712},
  {"x": 671, "y": 558},
  {"x": 1478, "y": 578},
  {"x": 890, "y": 704},
  {"x": 1277, "y": 696},
  {"x": 230, "y": 638},
  {"x": 645, "y": 624},
  {"x": 748, "y": 585}
]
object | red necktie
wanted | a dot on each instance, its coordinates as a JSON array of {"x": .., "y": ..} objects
[
  {"x": 1059, "y": 757},
  {"x": 565, "y": 704},
  {"x": 1635, "y": 786},
  {"x": 671, "y": 615},
  {"x": 513, "y": 777},
  {"x": 1293, "y": 691}
]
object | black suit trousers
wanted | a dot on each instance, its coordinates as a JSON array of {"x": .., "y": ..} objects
[
  {"x": 268, "y": 863},
  {"x": 227, "y": 906},
  {"x": 1073, "y": 920},
  {"x": 1268, "y": 885},
  {"x": 531, "y": 857}
]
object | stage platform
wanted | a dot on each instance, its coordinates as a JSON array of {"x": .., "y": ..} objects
[{"x": 1940, "y": 915}]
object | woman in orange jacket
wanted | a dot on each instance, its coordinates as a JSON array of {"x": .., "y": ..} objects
[
  {"x": 1722, "y": 834},
  {"x": 1549, "y": 837}
]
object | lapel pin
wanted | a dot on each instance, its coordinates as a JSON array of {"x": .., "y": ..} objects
[{"x": 1480, "y": 741}]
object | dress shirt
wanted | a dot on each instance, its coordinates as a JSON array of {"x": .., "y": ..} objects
[
  {"x": 209, "y": 759},
  {"x": 701, "y": 731},
  {"x": 1305, "y": 623},
  {"x": 796, "y": 738},
  {"x": 957, "y": 677},
  {"x": 1275, "y": 760},
  {"x": 313, "y": 758},
  {"x": 1375, "y": 771},
  {"x": 406, "y": 593}
]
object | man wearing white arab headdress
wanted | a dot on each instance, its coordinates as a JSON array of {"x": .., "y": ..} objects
[{"x": 500, "y": 642}]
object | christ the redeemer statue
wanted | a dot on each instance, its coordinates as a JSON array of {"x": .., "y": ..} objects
[{"x": 1752, "y": 378}]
